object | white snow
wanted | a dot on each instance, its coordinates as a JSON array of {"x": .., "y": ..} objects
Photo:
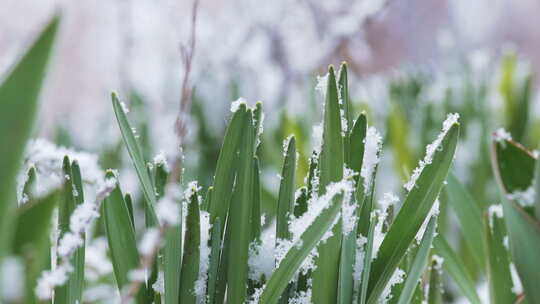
[
  {"x": 501, "y": 135},
  {"x": 372, "y": 150},
  {"x": 204, "y": 257},
  {"x": 235, "y": 105},
  {"x": 517, "y": 287},
  {"x": 494, "y": 210},
  {"x": 524, "y": 198}
]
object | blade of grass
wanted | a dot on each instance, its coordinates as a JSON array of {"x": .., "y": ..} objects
[
  {"x": 299, "y": 251},
  {"x": 17, "y": 111},
  {"x": 419, "y": 264},
  {"x": 226, "y": 167},
  {"x": 120, "y": 236},
  {"x": 192, "y": 245},
  {"x": 412, "y": 214},
  {"x": 524, "y": 235},
  {"x": 285, "y": 205},
  {"x": 325, "y": 276},
  {"x": 71, "y": 291},
  {"x": 136, "y": 155},
  {"x": 434, "y": 291},
  {"x": 498, "y": 266},
  {"x": 240, "y": 212},
  {"x": 214, "y": 260}
]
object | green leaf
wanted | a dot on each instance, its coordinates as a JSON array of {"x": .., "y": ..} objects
[
  {"x": 137, "y": 158},
  {"x": 470, "y": 217},
  {"x": 172, "y": 258},
  {"x": 455, "y": 268},
  {"x": 120, "y": 235},
  {"x": 419, "y": 264},
  {"x": 31, "y": 239},
  {"x": 498, "y": 266},
  {"x": 367, "y": 257},
  {"x": 192, "y": 245},
  {"x": 513, "y": 165},
  {"x": 71, "y": 291},
  {"x": 355, "y": 152},
  {"x": 239, "y": 215},
  {"x": 344, "y": 94},
  {"x": 256, "y": 210},
  {"x": 19, "y": 94},
  {"x": 299, "y": 251},
  {"x": 435, "y": 288},
  {"x": 285, "y": 205},
  {"x": 524, "y": 234},
  {"x": 226, "y": 167},
  {"x": 215, "y": 248},
  {"x": 325, "y": 276},
  {"x": 412, "y": 214}
]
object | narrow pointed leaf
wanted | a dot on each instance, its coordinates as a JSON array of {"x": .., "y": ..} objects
[
  {"x": 325, "y": 276},
  {"x": 136, "y": 155},
  {"x": 240, "y": 213},
  {"x": 498, "y": 266},
  {"x": 285, "y": 205},
  {"x": 19, "y": 93},
  {"x": 299, "y": 251},
  {"x": 120, "y": 235},
  {"x": 524, "y": 235},
  {"x": 412, "y": 214},
  {"x": 192, "y": 245}
]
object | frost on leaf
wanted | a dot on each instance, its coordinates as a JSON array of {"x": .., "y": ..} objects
[
  {"x": 501, "y": 135},
  {"x": 524, "y": 198},
  {"x": 372, "y": 150},
  {"x": 451, "y": 119},
  {"x": 235, "y": 105}
]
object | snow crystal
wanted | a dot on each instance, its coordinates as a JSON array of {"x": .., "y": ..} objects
[
  {"x": 494, "y": 210},
  {"x": 49, "y": 280},
  {"x": 451, "y": 119},
  {"x": 235, "y": 105},
  {"x": 501, "y": 135},
  {"x": 517, "y": 287},
  {"x": 322, "y": 84},
  {"x": 505, "y": 242},
  {"x": 359, "y": 260},
  {"x": 261, "y": 256},
  {"x": 47, "y": 159},
  {"x": 438, "y": 261},
  {"x": 161, "y": 159},
  {"x": 149, "y": 241},
  {"x": 379, "y": 216},
  {"x": 192, "y": 189},
  {"x": 204, "y": 257},
  {"x": 124, "y": 107},
  {"x": 396, "y": 278},
  {"x": 388, "y": 199},
  {"x": 68, "y": 243},
  {"x": 159, "y": 284},
  {"x": 348, "y": 214},
  {"x": 524, "y": 198},
  {"x": 373, "y": 144}
]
